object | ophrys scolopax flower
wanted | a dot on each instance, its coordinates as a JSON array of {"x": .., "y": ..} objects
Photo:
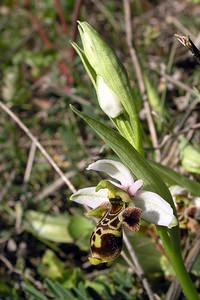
[{"x": 119, "y": 202}]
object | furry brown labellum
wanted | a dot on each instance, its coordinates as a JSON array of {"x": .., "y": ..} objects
[{"x": 107, "y": 239}]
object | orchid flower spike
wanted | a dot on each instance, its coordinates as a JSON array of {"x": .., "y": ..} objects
[{"x": 119, "y": 202}]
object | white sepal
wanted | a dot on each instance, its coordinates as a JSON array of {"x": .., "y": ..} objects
[
  {"x": 114, "y": 169},
  {"x": 88, "y": 196},
  {"x": 155, "y": 209}
]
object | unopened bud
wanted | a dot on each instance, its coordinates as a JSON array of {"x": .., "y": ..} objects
[
  {"x": 101, "y": 62},
  {"x": 108, "y": 100}
]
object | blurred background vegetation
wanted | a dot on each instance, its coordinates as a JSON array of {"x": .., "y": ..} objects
[{"x": 44, "y": 238}]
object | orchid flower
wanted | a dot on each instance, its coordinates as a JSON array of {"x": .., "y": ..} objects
[
  {"x": 128, "y": 204},
  {"x": 154, "y": 208}
]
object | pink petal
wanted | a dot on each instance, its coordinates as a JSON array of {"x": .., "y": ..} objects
[{"x": 133, "y": 189}]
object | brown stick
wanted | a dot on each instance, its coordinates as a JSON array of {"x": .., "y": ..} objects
[
  {"x": 30, "y": 160},
  {"x": 138, "y": 269},
  {"x": 74, "y": 28},
  {"x": 38, "y": 25},
  {"x": 59, "y": 9},
  {"x": 140, "y": 78}
]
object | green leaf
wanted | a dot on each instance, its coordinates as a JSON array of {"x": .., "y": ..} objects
[
  {"x": 51, "y": 266},
  {"x": 97, "y": 286},
  {"x": 124, "y": 127},
  {"x": 171, "y": 177},
  {"x": 81, "y": 292},
  {"x": 145, "y": 249},
  {"x": 35, "y": 293},
  {"x": 52, "y": 228},
  {"x": 72, "y": 276},
  {"x": 190, "y": 156},
  {"x": 155, "y": 102},
  {"x": 166, "y": 267},
  {"x": 80, "y": 229},
  {"x": 196, "y": 266},
  {"x": 58, "y": 291},
  {"x": 55, "y": 290}
]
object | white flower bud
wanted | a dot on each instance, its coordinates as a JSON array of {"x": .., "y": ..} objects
[{"x": 108, "y": 100}]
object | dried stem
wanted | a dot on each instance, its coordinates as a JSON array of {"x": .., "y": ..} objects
[
  {"x": 140, "y": 78},
  {"x": 59, "y": 10},
  {"x": 53, "y": 186},
  {"x": 74, "y": 28},
  {"x": 38, "y": 25},
  {"x": 138, "y": 269},
  {"x": 30, "y": 162},
  {"x": 178, "y": 83}
]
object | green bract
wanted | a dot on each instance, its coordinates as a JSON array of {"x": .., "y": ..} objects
[{"x": 110, "y": 81}]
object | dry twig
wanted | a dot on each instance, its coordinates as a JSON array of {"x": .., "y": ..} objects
[
  {"x": 140, "y": 78},
  {"x": 59, "y": 9},
  {"x": 178, "y": 83},
  {"x": 30, "y": 162},
  {"x": 152, "y": 130},
  {"x": 138, "y": 269},
  {"x": 74, "y": 28},
  {"x": 52, "y": 187}
]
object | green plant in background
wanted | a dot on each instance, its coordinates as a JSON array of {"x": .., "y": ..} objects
[
  {"x": 190, "y": 156},
  {"x": 111, "y": 83},
  {"x": 159, "y": 109},
  {"x": 118, "y": 284}
]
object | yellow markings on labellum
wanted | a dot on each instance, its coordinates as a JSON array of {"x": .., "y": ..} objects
[{"x": 106, "y": 240}]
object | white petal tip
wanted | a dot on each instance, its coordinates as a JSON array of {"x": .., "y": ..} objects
[
  {"x": 88, "y": 167},
  {"x": 155, "y": 209},
  {"x": 89, "y": 197},
  {"x": 114, "y": 169}
]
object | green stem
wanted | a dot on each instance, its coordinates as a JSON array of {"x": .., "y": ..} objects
[
  {"x": 183, "y": 277},
  {"x": 130, "y": 129},
  {"x": 123, "y": 125},
  {"x": 177, "y": 262},
  {"x": 138, "y": 136}
]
